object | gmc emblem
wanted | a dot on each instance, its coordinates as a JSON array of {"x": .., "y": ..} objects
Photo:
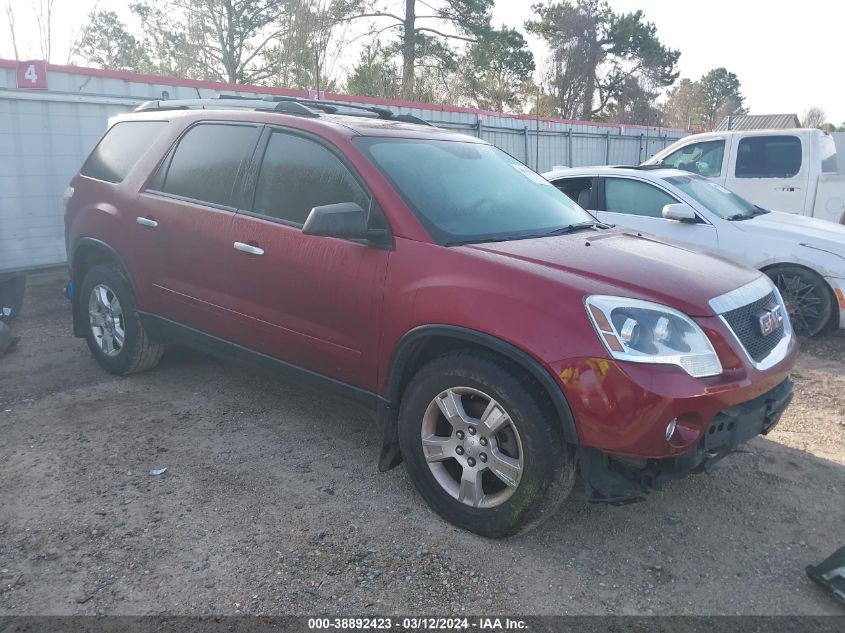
[{"x": 770, "y": 320}]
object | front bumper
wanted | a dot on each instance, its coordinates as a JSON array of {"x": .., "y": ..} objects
[{"x": 618, "y": 479}]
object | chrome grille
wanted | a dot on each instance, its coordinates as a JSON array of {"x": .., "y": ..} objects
[{"x": 745, "y": 322}]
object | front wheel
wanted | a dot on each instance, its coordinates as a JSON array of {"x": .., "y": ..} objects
[
  {"x": 115, "y": 334},
  {"x": 807, "y": 298},
  {"x": 483, "y": 446}
]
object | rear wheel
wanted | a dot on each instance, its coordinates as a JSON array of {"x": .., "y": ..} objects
[
  {"x": 115, "y": 334},
  {"x": 483, "y": 445},
  {"x": 807, "y": 297}
]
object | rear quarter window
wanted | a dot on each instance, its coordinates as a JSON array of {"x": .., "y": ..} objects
[{"x": 121, "y": 147}]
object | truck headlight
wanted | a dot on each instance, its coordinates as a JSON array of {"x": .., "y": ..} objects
[{"x": 644, "y": 332}]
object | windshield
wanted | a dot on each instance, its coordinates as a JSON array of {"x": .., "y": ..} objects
[
  {"x": 714, "y": 197},
  {"x": 468, "y": 192}
]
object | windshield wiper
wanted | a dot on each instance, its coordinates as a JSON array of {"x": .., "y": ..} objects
[
  {"x": 578, "y": 226},
  {"x": 760, "y": 210}
]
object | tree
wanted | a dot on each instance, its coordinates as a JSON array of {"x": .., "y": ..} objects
[
  {"x": 304, "y": 51},
  {"x": 44, "y": 21},
  {"x": 10, "y": 17},
  {"x": 422, "y": 36},
  {"x": 375, "y": 75},
  {"x": 814, "y": 116},
  {"x": 681, "y": 108},
  {"x": 495, "y": 69},
  {"x": 719, "y": 96},
  {"x": 105, "y": 42},
  {"x": 597, "y": 53},
  {"x": 223, "y": 40}
]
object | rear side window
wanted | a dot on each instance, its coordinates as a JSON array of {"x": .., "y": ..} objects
[
  {"x": 768, "y": 157},
  {"x": 297, "y": 175},
  {"x": 119, "y": 150},
  {"x": 205, "y": 164}
]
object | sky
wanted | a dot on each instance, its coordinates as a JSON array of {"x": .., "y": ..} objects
[{"x": 788, "y": 56}]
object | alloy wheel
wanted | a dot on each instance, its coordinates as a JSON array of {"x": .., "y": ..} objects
[
  {"x": 801, "y": 300},
  {"x": 105, "y": 316},
  {"x": 472, "y": 447}
]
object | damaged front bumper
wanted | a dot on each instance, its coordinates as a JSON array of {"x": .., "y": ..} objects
[{"x": 618, "y": 480}]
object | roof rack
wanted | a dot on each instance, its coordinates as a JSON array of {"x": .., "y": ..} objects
[{"x": 286, "y": 105}]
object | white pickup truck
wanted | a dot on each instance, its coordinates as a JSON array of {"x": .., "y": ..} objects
[{"x": 795, "y": 170}]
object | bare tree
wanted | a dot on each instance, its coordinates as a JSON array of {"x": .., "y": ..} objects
[
  {"x": 10, "y": 15},
  {"x": 814, "y": 116},
  {"x": 44, "y": 19}
]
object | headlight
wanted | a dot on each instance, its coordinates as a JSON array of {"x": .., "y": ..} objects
[{"x": 645, "y": 332}]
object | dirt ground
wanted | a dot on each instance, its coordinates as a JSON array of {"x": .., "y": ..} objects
[{"x": 272, "y": 504}]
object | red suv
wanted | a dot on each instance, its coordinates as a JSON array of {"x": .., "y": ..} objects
[{"x": 500, "y": 333}]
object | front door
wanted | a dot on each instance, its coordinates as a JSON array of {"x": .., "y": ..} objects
[
  {"x": 311, "y": 301},
  {"x": 638, "y": 205}
]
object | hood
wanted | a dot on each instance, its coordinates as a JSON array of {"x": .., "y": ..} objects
[
  {"x": 802, "y": 230},
  {"x": 616, "y": 262}
]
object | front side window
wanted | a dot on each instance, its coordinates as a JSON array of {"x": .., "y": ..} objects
[
  {"x": 121, "y": 147},
  {"x": 703, "y": 158},
  {"x": 768, "y": 157},
  {"x": 205, "y": 164},
  {"x": 298, "y": 174},
  {"x": 469, "y": 192},
  {"x": 633, "y": 197}
]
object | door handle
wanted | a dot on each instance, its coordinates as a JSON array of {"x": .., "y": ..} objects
[
  {"x": 248, "y": 248},
  {"x": 146, "y": 222}
]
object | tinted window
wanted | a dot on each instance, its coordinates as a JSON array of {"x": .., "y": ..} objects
[
  {"x": 704, "y": 159},
  {"x": 634, "y": 197},
  {"x": 120, "y": 149},
  {"x": 469, "y": 192},
  {"x": 206, "y": 162},
  {"x": 768, "y": 157},
  {"x": 297, "y": 175}
]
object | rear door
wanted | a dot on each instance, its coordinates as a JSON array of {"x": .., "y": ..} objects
[
  {"x": 183, "y": 221},
  {"x": 772, "y": 171},
  {"x": 311, "y": 301},
  {"x": 638, "y": 204}
]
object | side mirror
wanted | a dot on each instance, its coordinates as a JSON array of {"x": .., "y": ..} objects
[
  {"x": 345, "y": 220},
  {"x": 680, "y": 212}
]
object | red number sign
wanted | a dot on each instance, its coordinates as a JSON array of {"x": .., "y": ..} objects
[{"x": 32, "y": 74}]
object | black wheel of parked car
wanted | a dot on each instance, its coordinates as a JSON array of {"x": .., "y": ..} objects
[
  {"x": 807, "y": 296},
  {"x": 115, "y": 333},
  {"x": 483, "y": 445}
]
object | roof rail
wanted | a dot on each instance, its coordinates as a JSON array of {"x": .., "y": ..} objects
[{"x": 287, "y": 105}]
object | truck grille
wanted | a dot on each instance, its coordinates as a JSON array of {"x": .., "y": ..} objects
[{"x": 745, "y": 323}]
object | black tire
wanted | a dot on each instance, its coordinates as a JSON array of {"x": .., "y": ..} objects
[
  {"x": 807, "y": 297},
  {"x": 548, "y": 470},
  {"x": 138, "y": 352}
]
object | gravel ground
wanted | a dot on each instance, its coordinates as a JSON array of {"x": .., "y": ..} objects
[{"x": 272, "y": 504}]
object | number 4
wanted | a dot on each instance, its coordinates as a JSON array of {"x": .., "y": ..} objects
[{"x": 30, "y": 74}]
